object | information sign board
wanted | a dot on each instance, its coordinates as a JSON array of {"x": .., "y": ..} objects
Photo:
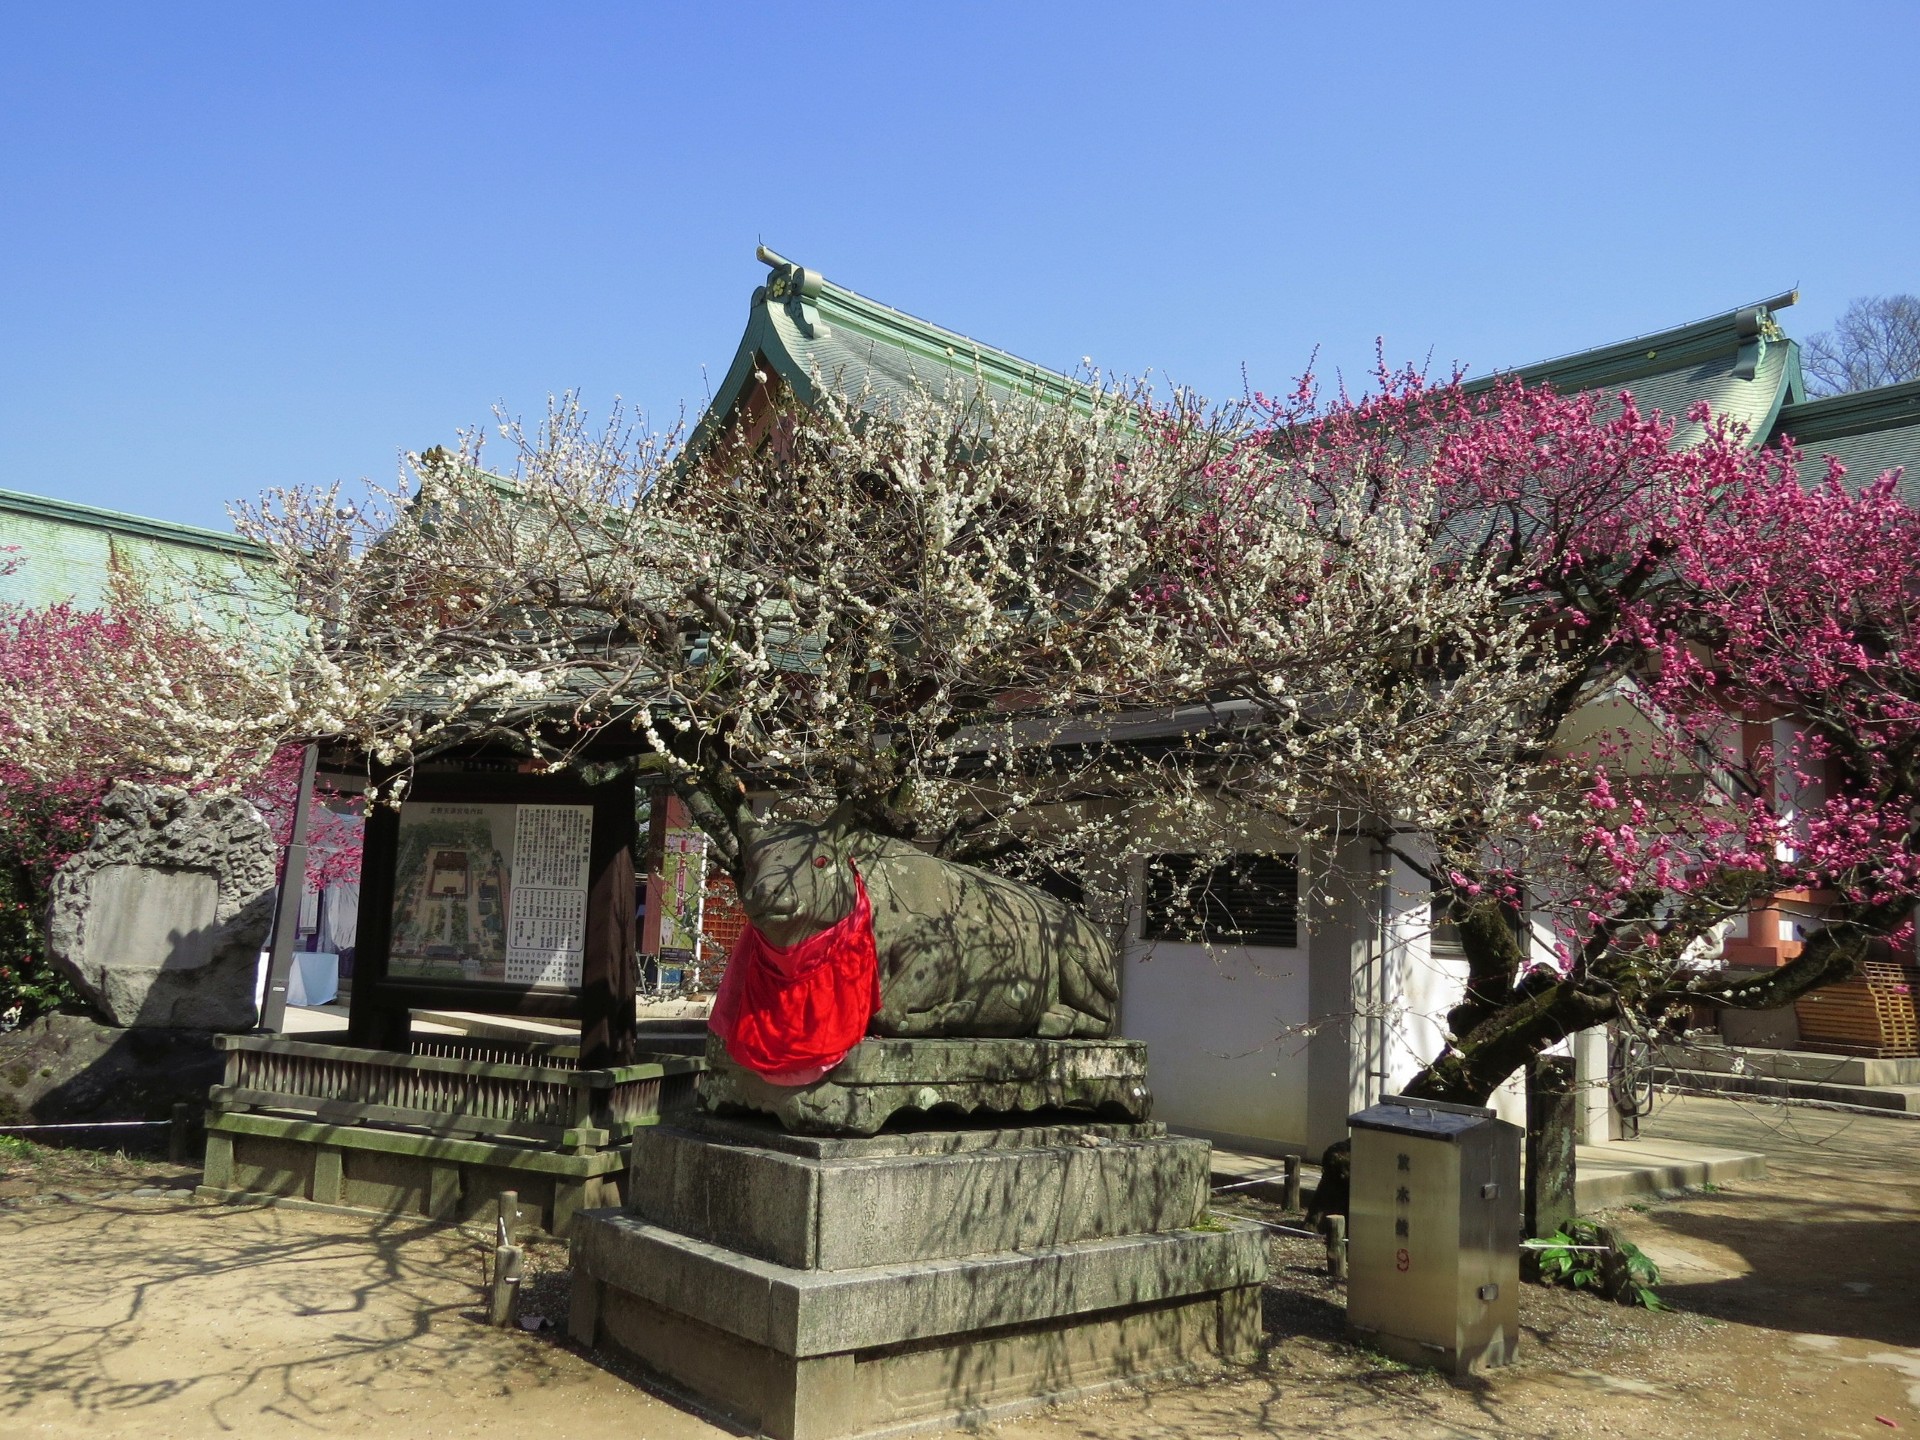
[{"x": 491, "y": 893}]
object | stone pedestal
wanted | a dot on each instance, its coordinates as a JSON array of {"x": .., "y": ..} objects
[
  {"x": 1101, "y": 1079},
  {"x": 811, "y": 1288}
]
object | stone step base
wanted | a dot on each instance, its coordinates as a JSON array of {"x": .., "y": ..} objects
[
  {"x": 1610, "y": 1174},
  {"x": 1807, "y": 1065},
  {"x": 840, "y": 1204},
  {"x": 265, "y": 1159},
  {"x": 819, "y": 1355},
  {"x": 1894, "y": 1099}
]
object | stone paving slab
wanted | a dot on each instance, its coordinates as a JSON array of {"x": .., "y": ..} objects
[{"x": 1607, "y": 1175}]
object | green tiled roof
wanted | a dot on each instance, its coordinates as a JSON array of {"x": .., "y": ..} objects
[
  {"x": 118, "y": 522},
  {"x": 65, "y": 550},
  {"x": 1739, "y": 362},
  {"x": 805, "y": 332},
  {"x": 1868, "y": 431}
]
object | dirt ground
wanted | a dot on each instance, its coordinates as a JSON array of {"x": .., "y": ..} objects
[{"x": 129, "y": 1310}]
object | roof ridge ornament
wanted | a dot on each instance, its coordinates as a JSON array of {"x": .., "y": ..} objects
[
  {"x": 1755, "y": 326},
  {"x": 797, "y": 288}
]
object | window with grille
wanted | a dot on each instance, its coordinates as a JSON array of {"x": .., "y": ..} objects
[
  {"x": 1246, "y": 900},
  {"x": 1443, "y": 934}
]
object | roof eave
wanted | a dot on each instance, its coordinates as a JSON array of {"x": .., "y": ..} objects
[
  {"x": 1643, "y": 355},
  {"x": 1856, "y": 412},
  {"x": 47, "y": 508}
]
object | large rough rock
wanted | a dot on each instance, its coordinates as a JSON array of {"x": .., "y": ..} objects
[
  {"x": 160, "y": 920},
  {"x": 71, "y": 1069}
]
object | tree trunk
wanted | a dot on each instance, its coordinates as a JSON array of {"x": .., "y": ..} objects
[{"x": 1472, "y": 1067}]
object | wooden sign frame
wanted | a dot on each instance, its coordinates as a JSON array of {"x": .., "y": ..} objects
[{"x": 380, "y": 1014}]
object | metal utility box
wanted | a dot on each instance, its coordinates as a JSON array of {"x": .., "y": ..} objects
[{"x": 1433, "y": 1234}]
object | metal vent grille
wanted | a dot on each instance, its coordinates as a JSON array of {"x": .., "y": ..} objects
[{"x": 1247, "y": 900}]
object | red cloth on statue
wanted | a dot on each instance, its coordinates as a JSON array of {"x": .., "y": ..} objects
[{"x": 790, "y": 1015}]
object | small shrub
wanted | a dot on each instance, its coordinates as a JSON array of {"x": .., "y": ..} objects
[{"x": 1583, "y": 1255}]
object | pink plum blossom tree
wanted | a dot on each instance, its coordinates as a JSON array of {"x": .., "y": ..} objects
[{"x": 1585, "y": 613}]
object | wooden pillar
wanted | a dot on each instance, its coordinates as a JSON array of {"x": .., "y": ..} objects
[
  {"x": 667, "y": 809},
  {"x": 373, "y": 1021},
  {"x": 609, "y": 977}
]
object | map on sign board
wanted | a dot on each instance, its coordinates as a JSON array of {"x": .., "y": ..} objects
[{"x": 492, "y": 893}]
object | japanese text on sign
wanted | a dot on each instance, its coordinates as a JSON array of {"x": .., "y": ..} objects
[{"x": 547, "y": 921}]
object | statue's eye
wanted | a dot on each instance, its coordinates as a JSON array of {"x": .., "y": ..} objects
[{"x": 820, "y": 862}]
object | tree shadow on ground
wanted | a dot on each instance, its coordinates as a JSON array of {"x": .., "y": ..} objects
[
  {"x": 1851, "y": 1275},
  {"x": 361, "y": 1307}
]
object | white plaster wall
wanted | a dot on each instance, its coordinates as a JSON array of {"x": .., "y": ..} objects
[
  {"x": 1226, "y": 1029},
  {"x": 1220, "y": 1055},
  {"x": 1226, "y": 1056},
  {"x": 1509, "y": 1102},
  {"x": 1418, "y": 988}
]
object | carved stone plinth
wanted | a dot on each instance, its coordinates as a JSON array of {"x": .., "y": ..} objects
[{"x": 1102, "y": 1079}]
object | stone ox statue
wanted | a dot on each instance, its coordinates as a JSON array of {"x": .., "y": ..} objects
[{"x": 961, "y": 952}]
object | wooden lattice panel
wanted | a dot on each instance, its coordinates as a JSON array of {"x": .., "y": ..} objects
[
  {"x": 721, "y": 921},
  {"x": 1871, "y": 1015}
]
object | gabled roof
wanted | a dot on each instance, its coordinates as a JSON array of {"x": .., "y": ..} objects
[
  {"x": 804, "y": 332},
  {"x": 1739, "y": 362},
  {"x": 1868, "y": 431}
]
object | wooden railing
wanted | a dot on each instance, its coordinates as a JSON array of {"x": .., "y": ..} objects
[
  {"x": 541, "y": 1097},
  {"x": 491, "y": 1050}
]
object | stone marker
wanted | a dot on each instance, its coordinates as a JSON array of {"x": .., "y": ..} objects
[{"x": 159, "y": 921}]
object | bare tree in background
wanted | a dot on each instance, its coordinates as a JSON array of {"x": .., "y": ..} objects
[{"x": 1876, "y": 342}]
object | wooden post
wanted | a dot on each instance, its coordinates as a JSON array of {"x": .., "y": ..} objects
[
  {"x": 609, "y": 976},
  {"x": 1334, "y": 1227},
  {"x": 286, "y": 909},
  {"x": 374, "y": 1022},
  {"x": 508, "y": 1266},
  {"x": 1552, "y": 1131},
  {"x": 179, "y": 1138},
  {"x": 508, "y": 1223},
  {"x": 1291, "y": 1199}
]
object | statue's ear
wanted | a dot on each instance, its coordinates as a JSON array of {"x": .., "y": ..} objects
[{"x": 840, "y": 824}]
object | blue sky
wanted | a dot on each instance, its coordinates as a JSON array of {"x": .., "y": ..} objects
[{"x": 245, "y": 246}]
